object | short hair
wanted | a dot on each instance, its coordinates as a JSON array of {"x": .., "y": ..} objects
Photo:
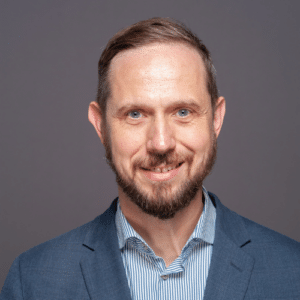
[{"x": 154, "y": 30}]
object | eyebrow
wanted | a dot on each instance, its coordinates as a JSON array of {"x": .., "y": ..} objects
[{"x": 180, "y": 103}]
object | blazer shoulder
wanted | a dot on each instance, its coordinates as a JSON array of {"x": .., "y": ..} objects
[
  {"x": 244, "y": 231},
  {"x": 60, "y": 246},
  {"x": 270, "y": 247},
  {"x": 276, "y": 269},
  {"x": 263, "y": 234},
  {"x": 73, "y": 242},
  {"x": 57, "y": 264}
]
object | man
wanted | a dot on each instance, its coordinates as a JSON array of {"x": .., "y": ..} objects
[{"x": 158, "y": 115}]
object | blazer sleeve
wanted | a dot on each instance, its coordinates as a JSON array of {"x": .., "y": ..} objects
[{"x": 12, "y": 288}]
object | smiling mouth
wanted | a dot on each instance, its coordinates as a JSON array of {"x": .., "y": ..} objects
[{"x": 163, "y": 169}]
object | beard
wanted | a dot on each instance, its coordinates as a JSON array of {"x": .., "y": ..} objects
[{"x": 161, "y": 202}]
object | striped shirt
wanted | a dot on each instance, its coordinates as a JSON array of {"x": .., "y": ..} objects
[{"x": 185, "y": 278}]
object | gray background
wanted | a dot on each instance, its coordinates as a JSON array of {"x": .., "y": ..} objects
[{"x": 53, "y": 176}]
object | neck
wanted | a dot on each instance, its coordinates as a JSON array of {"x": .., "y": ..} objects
[{"x": 165, "y": 237}]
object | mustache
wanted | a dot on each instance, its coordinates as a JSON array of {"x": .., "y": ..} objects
[{"x": 156, "y": 159}]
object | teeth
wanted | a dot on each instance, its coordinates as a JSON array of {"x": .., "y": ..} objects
[{"x": 164, "y": 170}]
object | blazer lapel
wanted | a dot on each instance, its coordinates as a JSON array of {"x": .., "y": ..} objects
[
  {"x": 101, "y": 264},
  {"x": 230, "y": 267}
]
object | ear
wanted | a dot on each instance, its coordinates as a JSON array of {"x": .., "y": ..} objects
[
  {"x": 219, "y": 114},
  {"x": 95, "y": 117}
]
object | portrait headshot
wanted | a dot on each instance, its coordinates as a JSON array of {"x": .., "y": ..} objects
[{"x": 150, "y": 150}]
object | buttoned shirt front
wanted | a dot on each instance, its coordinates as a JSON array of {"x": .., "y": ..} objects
[{"x": 185, "y": 278}]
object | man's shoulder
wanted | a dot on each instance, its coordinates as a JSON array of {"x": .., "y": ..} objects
[
  {"x": 266, "y": 240},
  {"x": 64, "y": 244},
  {"x": 57, "y": 265},
  {"x": 276, "y": 259},
  {"x": 265, "y": 262},
  {"x": 72, "y": 243},
  {"x": 258, "y": 239},
  {"x": 266, "y": 244},
  {"x": 261, "y": 233}
]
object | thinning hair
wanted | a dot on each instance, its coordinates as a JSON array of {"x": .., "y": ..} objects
[{"x": 154, "y": 30}]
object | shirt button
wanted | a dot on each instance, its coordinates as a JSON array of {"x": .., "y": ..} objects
[{"x": 165, "y": 277}]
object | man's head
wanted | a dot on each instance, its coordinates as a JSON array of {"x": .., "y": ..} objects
[
  {"x": 158, "y": 106},
  {"x": 155, "y": 30}
]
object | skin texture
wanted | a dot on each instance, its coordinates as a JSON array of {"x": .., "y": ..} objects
[{"x": 160, "y": 114}]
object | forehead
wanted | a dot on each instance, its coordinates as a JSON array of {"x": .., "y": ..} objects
[
  {"x": 157, "y": 71},
  {"x": 149, "y": 58}
]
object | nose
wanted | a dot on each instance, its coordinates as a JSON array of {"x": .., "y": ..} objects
[{"x": 161, "y": 137}]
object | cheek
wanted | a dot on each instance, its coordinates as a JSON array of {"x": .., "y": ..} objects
[
  {"x": 196, "y": 139},
  {"x": 125, "y": 144}
]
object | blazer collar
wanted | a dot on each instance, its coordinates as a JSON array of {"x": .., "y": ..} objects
[
  {"x": 230, "y": 267},
  {"x": 101, "y": 264}
]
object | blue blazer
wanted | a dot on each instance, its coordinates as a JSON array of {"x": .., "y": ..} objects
[{"x": 249, "y": 261}]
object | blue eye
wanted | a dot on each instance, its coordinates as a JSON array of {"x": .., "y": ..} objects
[
  {"x": 183, "y": 112},
  {"x": 134, "y": 114}
]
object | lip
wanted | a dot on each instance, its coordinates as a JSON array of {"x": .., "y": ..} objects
[{"x": 157, "y": 176}]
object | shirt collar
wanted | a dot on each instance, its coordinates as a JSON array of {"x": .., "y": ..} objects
[{"x": 204, "y": 230}]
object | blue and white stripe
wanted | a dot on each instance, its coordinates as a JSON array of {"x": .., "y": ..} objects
[{"x": 185, "y": 279}]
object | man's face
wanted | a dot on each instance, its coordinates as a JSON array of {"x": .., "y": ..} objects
[{"x": 160, "y": 136}]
